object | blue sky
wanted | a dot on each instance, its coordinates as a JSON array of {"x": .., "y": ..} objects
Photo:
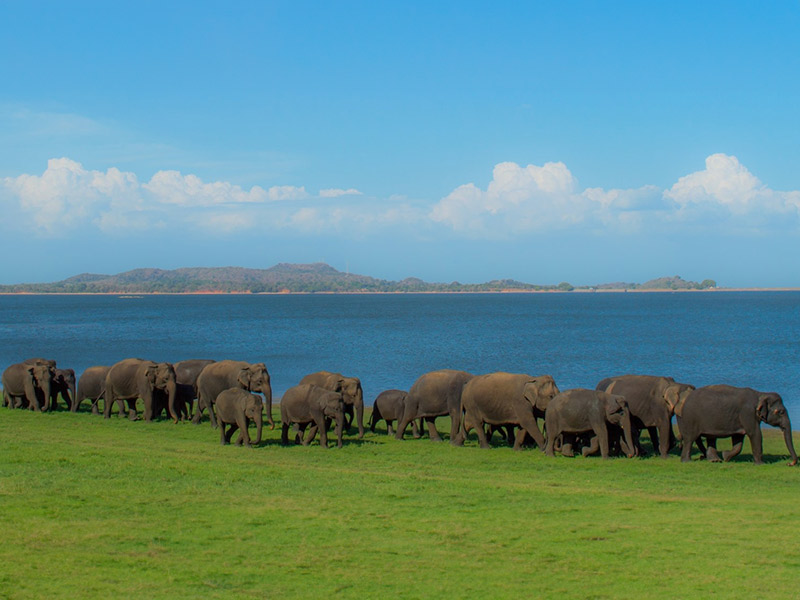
[{"x": 543, "y": 141}]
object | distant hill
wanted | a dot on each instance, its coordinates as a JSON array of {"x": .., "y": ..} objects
[{"x": 294, "y": 278}]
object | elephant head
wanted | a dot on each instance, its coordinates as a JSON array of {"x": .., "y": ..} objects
[
  {"x": 161, "y": 376},
  {"x": 253, "y": 410},
  {"x": 65, "y": 380},
  {"x": 40, "y": 378},
  {"x": 255, "y": 378},
  {"x": 771, "y": 410},
  {"x": 540, "y": 391},
  {"x": 353, "y": 394},
  {"x": 332, "y": 406},
  {"x": 617, "y": 412},
  {"x": 675, "y": 395}
]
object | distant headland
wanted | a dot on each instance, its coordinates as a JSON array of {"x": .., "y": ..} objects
[{"x": 285, "y": 278}]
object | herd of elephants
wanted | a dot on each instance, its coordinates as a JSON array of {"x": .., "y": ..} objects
[{"x": 608, "y": 419}]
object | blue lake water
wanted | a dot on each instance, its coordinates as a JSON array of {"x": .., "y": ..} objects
[{"x": 741, "y": 338}]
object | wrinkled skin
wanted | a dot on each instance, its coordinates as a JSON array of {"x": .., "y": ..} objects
[
  {"x": 135, "y": 378},
  {"x": 225, "y": 374},
  {"x": 236, "y": 408},
  {"x": 186, "y": 374},
  {"x": 28, "y": 384},
  {"x": 308, "y": 404},
  {"x": 350, "y": 388},
  {"x": 580, "y": 411},
  {"x": 91, "y": 386},
  {"x": 435, "y": 394},
  {"x": 651, "y": 401},
  {"x": 506, "y": 399},
  {"x": 388, "y": 406},
  {"x": 717, "y": 411}
]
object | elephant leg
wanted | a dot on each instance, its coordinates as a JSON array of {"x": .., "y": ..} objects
[
  {"x": 755, "y": 444},
  {"x": 483, "y": 440},
  {"x": 434, "y": 435},
  {"x": 231, "y": 430},
  {"x": 567, "y": 445},
  {"x": 389, "y": 426},
  {"x": 416, "y": 429},
  {"x": 602, "y": 434},
  {"x": 312, "y": 433},
  {"x": 222, "y": 439},
  {"x": 212, "y": 416},
  {"x": 527, "y": 423},
  {"x": 319, "y": 423},
  {"x": 738, "y": 442},
  {"x": 664, "y": 433},
  {"x": 244, "y": 428},
  {"x": 132, "y": 410},
  {"x": 711, "y": 453},
  {"x": 592, "y": 448},
  {"x": 689, "y": 440},
  {"x": 284, "y": 433}
]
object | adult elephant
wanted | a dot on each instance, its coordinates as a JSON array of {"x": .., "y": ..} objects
[
  {"x": 435, "y": 394},
  {"x": 719, "y": 411},
  {"x": 579, "y": 411},
  {"x": 186, "y": 374},
  {"x": 91, "y": 386},
  {"x": 135, "y": 378},
  {"x": 236, "y": 408},
  {"x": 350, "y": 388},
  {"x": 28, "y": 384},
  {"x": 506, "y": 399},
  {"x": 217, "y": 377},
  {"x": 651, "y": 401},
  {"x": 388, "y": 406},
  {"x": 308, "y": 404}
]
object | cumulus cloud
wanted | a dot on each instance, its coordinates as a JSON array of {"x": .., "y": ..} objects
[{"x": 335, "y": 193}]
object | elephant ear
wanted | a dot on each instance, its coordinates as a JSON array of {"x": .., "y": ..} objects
[
  {"x": 762, "y": 408},
  {"x": 150, "y": 373},
  {"x": 531, "y": 392},
  {"x": 614, "y": 403},
  {"x": 672, "y": 396},
  {"x": 243, "y": 377}
]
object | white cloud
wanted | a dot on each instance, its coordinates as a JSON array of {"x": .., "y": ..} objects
[
  {"x": 287, "y": 192},
  {"x": 335, "y": 193},
  {"x": 171, "y": 187}
]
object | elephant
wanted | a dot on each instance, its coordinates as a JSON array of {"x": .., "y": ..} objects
[
  {"x": 435, "y": 394},
  {"x": 504, "y": 399},
  {"x": 389, "y": 407},
  {"x": 134, "y": 378},
  {"x": 306, "y": 404},
  {"x": 350, "y": 387},
  {"x": 717, "y": 411},
  {"x": 186, "y": 374},
  {"x": 219, "y": 376},
  {"x": 28, "y": 384},
  {"x": 91, "y": 386},
  {"x": 651, "y": 401},
  {"x": 64, "y": 384},
  {"x": 237, "y": 407},
  {"x": 581, "y": 410}
]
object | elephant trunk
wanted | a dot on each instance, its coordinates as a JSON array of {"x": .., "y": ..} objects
[
  {"x": 359, "y": 404},
  {"x": 339, "y": 429},
  {"x": 172, "y": 399},
  {"x": 259, "y": 419},
  {"x": 786, "y": 426},
  {"x": 47, "y": 389},
  {"x": 627, "y": 430},
  {"x": 268, "y": 405},
  {"x": 73, "y": 396}
]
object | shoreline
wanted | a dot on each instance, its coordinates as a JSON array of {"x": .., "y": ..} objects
[{"x": 134, "y": 295}]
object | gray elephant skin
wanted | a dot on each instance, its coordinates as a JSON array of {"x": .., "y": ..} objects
[
  {"x": 352, "y": 393},
  {"x": 308, "y": 404},
  {"x": 186, "y": 374},
  {"x": 651, "y": 401},
  {"x": 435, "y": 394},
  {"x": 388, "y": 406},
  {"x": 91, "y": 386},
  {"x": 719, "y": 411},
  {"x": 581, "y": 410},
  {"x": 28, "y": 385},
  {"x": 217, "y": 377},
  {"x": 63, "y": 385},
  {"x": 506, "y": 399},
  {"x": 135, "y": 378},
  {"x": 236, "y": 408}
]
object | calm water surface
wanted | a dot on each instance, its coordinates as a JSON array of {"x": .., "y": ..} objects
[{"x": 747, "y": 339}]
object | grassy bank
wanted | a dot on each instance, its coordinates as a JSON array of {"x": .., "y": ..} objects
[{"x": 94, "y": 508}]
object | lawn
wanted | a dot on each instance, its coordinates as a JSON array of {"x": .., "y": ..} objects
[{"x": 118, "y": 509}]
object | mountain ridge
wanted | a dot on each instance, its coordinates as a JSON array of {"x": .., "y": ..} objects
[{"x": 299, "y": 278}]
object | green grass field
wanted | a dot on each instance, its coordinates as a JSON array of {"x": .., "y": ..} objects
[{"x": 119, "y": 509}]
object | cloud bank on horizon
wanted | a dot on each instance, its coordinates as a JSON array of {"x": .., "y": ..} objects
[{"x": 724, "y": 197}]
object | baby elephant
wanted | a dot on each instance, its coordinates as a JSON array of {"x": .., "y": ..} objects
[
  {"x": 581, "y": 411},
  {"x": 389, "y": 407},
  {"x": 237, "y": 407},
  {"x": 309, "y": 404}
]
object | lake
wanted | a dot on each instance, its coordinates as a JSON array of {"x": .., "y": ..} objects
[{"x": 741, "y": 338}]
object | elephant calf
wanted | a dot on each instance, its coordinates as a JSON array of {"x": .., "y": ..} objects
[
  {"x": 310, "y": 404},
  {"x": 388, "y": 406},
  {"x": 580, "y": 410},
  {"x": 91, "y": 386},
  {"x": 236, "y": 408}
]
